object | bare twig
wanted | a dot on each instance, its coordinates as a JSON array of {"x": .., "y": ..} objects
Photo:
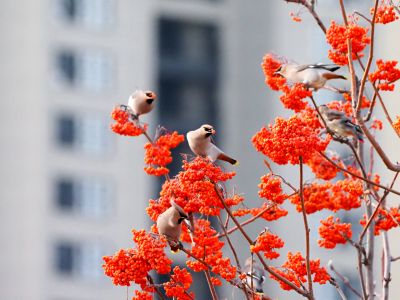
[
  {"x": 369, "y": 62},
  {"x": 311, "y": 9},
  {"x": 333, "y": 282},
  {"x": 386, "y": 261},
  {"x": 233, "y": 251},
  {"x": 210, "y": 285},
  {"x": 358, "y": 176},
  {"x": 345, "y": 280},
  {"x": 307, "y": 231},
  {"x": 249, "y": 240},
  {"x": 376, "y": 210}
]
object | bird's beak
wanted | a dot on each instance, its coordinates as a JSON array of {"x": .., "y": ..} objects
[
  {"x": 151, "y": 95},
  {"x": 213, "y": 131}
]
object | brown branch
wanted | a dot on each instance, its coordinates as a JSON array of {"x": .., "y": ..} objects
[
  {"x": 371, "y": 107},
  {"x": 333, "y": 282},
  {"x": 358, "y": 176},
  {"x": 311, "y": 9},
  {"x": 233, "y": 229},
  {"x": 307, "y": 230},
  {"x": 233, "y": 251},
  {"x": 266, "y": 267},
  {"x": 386, "y": 261},
  {"x": 376, "y": 210},
  {"x": 210, "y": 285},
  {"x": 345, "y": 280},
  {"x": 369, "y": 62},
  {"x": 395, "y": 258},
  {"x": 350, "y": 58}
]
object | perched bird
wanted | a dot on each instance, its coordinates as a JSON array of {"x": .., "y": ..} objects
[
  {"x": 340, "y": 124},
  {"x": 200, "y": 143},
  {"x": 141, "y": 102},
  {"x": 169, "y": 224},
  {"x": 255, "y": 274},
  {"x": 312, "y": 76}
]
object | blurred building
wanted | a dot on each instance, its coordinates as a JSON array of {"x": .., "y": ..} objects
[{"x": 70, "y": 190}]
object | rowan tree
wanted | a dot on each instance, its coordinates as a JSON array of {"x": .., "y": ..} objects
[{"x": 304, "y": 139}]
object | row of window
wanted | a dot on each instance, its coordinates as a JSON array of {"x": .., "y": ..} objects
[
  {"x": 80, "y": 260},
  {"x": 87, "y": 133},
  {"x": 90, "y": 14},
  {"x": 89, "y": 197}
]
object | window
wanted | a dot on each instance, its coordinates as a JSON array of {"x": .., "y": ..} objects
[
  {"x": 66, "y": 131},
  {"x": 91, "y": 14},
  {"x": 74, "y": 259},
  {"x": 88, "y": 133},
  {"x": 90, "y": 70},
  {"x": 188, "y": 77},
  {"x": 90, "y": 197},
  {"x": 65, "y": 256}
]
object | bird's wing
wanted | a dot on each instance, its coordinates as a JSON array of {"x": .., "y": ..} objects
[
  {"x": 328, "y": 67},
  {"x": 213, "y": 152},
  {"x": 335, "y": 114}
]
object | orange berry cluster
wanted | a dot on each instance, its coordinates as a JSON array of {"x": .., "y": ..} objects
[
  {"x": 322, "y": 168},
  {"x": 133, "y": 265},
  {"x": 123, "y": 125},
  {"x": 288, "y": 139},
  {"x": 332, "y": 232},
  {"x": 343, "y": 194},
  {"x": 267, "y": 242},
  {"x": 270, "y": 189},
  {"x": 158, "y": 154},
  {"x": 337, "y": 36},
  {"x": 385, "y": 14},
  {"x": 295, "y": 271},
  {"x": 209, "y": 248},
  {"x": 396, "y": 124},
  {"x": 179, "y": 283},
  {"x": 386, "y": 72},
  {"x": 384, "y": 219}
]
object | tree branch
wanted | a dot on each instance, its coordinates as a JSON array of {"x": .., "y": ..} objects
[{"x": 307, "y": 230}]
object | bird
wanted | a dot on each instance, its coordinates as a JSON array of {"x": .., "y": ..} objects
[
  {"x": 169, "y": 224},
  {"x": 141, "y": 102},
  {"x": 340, "y": 124},
  {"x": 201, "y": 144},
  {"x": 254, "y": 273},
  {"x": 312, "y": 76}
]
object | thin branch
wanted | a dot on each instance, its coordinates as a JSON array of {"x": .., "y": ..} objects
[
  {"x": 371, "y": 108},
  {"x": 150, "y": 279},
  {"x": 376, "y": 209},
  {"x": 358, "y": 176},
  {"x": 363, "y": 16},
  {"x": 333, "y": 282},
  {"x": 233, "y": 251},
  {"x": 345, "y": 280},
  {"x": 233, "y": 229},
  {"x": 266, "y": 267},
  {"x": 386, "y": 278},
  {"x": 395, "y": 258},
  {"x": 349, "y": 57},
  {"x": 210, "y": 285},
  {"x": 369, "y": 62},
  {"x": 307, "y": 230},
  {"x": 311, "y": 9}
]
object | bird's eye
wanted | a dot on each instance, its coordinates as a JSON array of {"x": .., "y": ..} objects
[
  {"x": 149, "y": 94},
  {"x": 207, "y": 129}
]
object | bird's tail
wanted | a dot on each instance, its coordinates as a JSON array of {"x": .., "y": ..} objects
[
  {"x": 175, "y": 247},
  {"x": 359, "y": 134},
  {"x": 228, "y": 159},
  {"x": 330, "y": 75}
]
